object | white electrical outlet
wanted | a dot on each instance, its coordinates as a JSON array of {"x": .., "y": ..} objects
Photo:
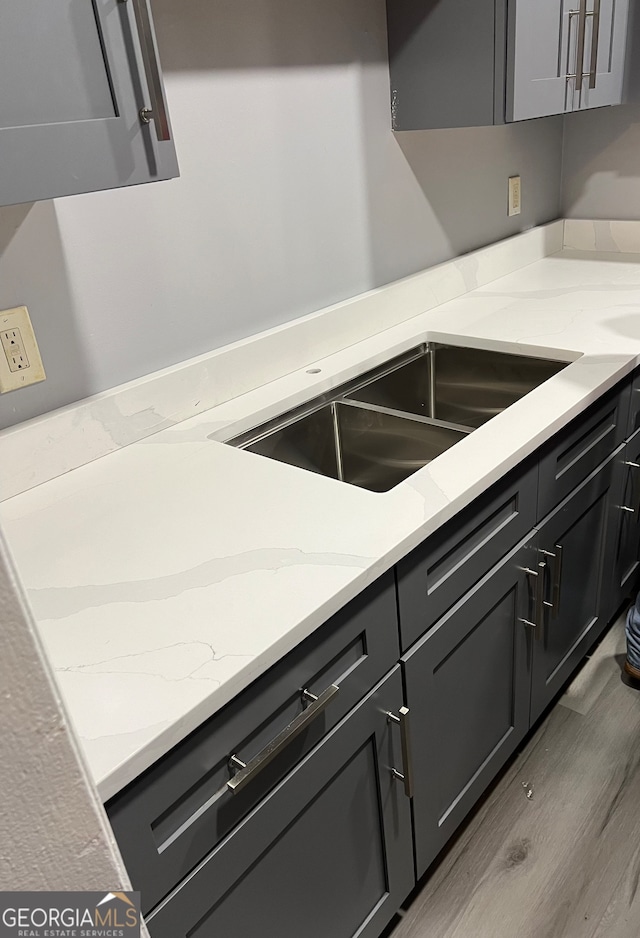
[
  {"x": 20, "y": 362},
  {"x": 515, "y": 194}
]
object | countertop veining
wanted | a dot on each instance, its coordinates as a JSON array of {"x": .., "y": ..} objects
[{"x": 168, "y": 575}]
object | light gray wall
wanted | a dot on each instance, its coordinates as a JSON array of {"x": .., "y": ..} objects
[
  {"x": 601, "y": 172},
  {"x": 54, "y": 833},
  {"x": 294, "y": 194},
  {"x": 601, "y": 149}
]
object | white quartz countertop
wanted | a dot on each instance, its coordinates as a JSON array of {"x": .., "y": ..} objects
[{"x": 168, "y": 575}]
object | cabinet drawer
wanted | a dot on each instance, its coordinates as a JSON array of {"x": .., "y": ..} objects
[
  {"x": 435, "y": 575},
  {"x": 171, "y": 817},
  {"x": 580, "y": 448},
  {"x": 634, "y": 405},
  {"x": 327, "y": 854}
]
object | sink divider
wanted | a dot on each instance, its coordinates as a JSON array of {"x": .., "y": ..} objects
[
  {"x": 405, "y": 414},
  {"x": 432, "y": 381},
  {"x": 346, "y": 394},
  {"x": 337, "y": 441}
]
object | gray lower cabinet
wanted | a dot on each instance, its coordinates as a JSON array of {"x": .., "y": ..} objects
[
  {"x": 467, "y": 685},
  {"x": 186, "y": 804},
  {"x": 496, "y": 610},
  {"x": 573, "y": 544},
  {"x": 75, "y": 77},
  {"x": 327, "y": 853},
  {"x": 625, "y": 512}
]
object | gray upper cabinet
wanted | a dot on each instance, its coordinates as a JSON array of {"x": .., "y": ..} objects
[
  {"x": 539, "y": 45},
  {"x": 603, "y": 58},
  {"x": 79, "y": 80},
  {"x": 460, "y": 64},
  {"x": 444, "y": 65}
]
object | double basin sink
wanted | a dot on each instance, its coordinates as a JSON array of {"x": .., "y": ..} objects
[{"x": 386, "y": 424}]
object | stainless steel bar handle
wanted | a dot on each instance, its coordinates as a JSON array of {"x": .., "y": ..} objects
[
  {"x": 634, "y": 465},
  {"x": 582, "y": 28},
  {"x": 540, "y": 583},
  {"x": 595, "y": 39},
  {"x": 556, "y": 555},
  {"x": 158, "y": 111},
  {"x": 249, "y": 770},
  {"x": 538, "y": 601},
  {"x": 532, "y": 625},
  {"x": 557, "y": 579},
  {"x": 406, "y": 776}
]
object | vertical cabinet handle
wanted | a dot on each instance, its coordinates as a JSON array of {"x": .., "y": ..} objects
[
  {"x": 158, "y": 112},
  {"x": 540, "y": 583},
  {"x": 249, "y": 770},
  {"x": 595, "y": 38},
  {"x": 538, "y": 601},
  {"x": 406, "y": 776},
  {"x": 582, "y": 28},
  {"x": 636, "y": 509},
  {"x": 557, "y": 579},
  {"x": 556, "y": 556}
]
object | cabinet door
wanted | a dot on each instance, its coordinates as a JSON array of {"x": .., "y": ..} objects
[
  {"x": 539, "y": 36},
  {"x": 467, "y": 685},
  {"x": 604, "y": 54},
  {"x": 328, "y": 853},
  {"x": 572, "y": 542},
  {"x": 625, "y": 511},
  {"x": 73, "y": 80},
  {"x": 174, "y": 815}
]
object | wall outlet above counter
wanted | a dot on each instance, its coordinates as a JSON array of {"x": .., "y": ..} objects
[{"x": 20, "y": 361}]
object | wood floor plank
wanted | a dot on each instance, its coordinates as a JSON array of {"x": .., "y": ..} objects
[
  {"x": 550, "y": 866},
  {"x": 590, "y": 681},
  {"x": 622, "y": 916}
]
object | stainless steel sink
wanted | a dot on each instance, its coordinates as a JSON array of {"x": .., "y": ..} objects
[
  {"x": 361, "y": 445},
  {"x": 465, "y": 386},
  {"x": 387, "y": 423}
]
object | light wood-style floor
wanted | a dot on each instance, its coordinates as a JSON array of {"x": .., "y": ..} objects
[{"x": 564, "y": 863}]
